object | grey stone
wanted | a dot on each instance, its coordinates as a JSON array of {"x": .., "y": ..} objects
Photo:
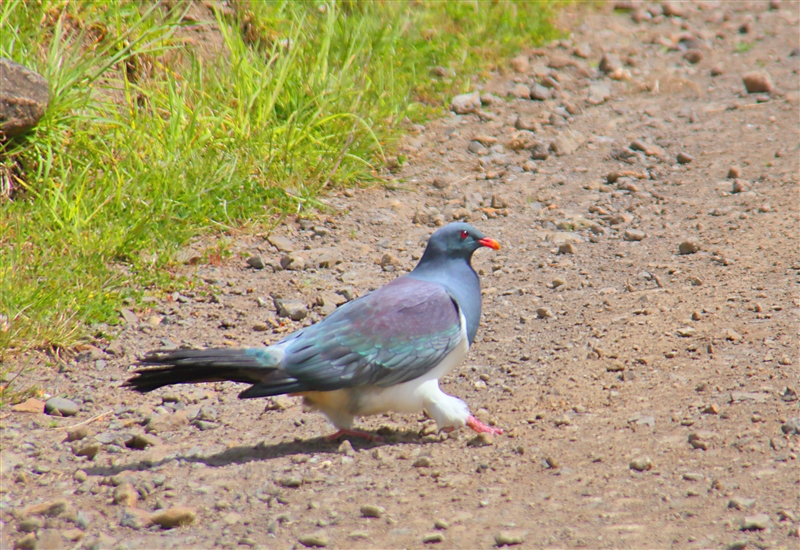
[
  {"x": 791, "y": 426},
  {"x": 49, "y": 539},
  {"x": 59, "y": 406},
  {"x": 634, "y": 235},
  {"x": 609, "y": 63},
  {"x": 24, "y": 96},
  {"x": 142, "y": 441},
  {"x": 167, "y": 422},
  {"x": 325, "y": 258},
  {"x": 293, "y": 262},
  {"x": 741, "y": 503},
  {"x": 648, "y": 149},
  {"x": 540, "y": 151},
  {"x": 130, "y": 318},
  {"x": 466, "y": 103},
  {"x": 566, "y": 143},
  {"x": 87, "y": 448},
  {"x": 256, "y": 262},
  {"x": 582, "y": 50},
  {"x": 135, "y": 518},
  {"x": 283, "y": 244},
  {"x": 540, "y": 93},
  {"x": 9, "y": 461},
  {"x": 521, "y": 91},
  {"x": 293, "y": 309},
  {"x": 598, "y": 93},
  {"x": 756, "y": 522},
  {"x": 477, "y": 148}
]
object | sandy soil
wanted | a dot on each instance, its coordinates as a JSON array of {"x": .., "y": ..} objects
[{"x": 648, "y": 395}]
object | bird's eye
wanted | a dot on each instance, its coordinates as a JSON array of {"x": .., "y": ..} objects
[{"x": 464, "y": 234}]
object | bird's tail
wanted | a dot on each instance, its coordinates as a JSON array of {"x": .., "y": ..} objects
[{"x": 190, "y": 366}]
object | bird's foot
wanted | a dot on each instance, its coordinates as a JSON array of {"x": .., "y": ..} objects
[
  {"x": 480, "y": 427},
  {"x": 355, "y": 433}
]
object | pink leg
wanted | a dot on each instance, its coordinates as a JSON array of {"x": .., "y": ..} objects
[
  {"x": 355, "y": 433},
  {"x": 480, "y": 427}
]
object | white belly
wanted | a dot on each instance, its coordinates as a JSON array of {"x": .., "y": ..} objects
[{"x": 422, "y": 393}]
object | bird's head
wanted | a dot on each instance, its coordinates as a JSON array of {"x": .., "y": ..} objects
[{"x": 457, "y": 240}]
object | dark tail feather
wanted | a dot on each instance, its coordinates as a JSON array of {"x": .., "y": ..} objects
[{"x": 207, "y": 365}]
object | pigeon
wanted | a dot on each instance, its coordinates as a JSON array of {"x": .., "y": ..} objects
[{"x": 383, "y": 352}]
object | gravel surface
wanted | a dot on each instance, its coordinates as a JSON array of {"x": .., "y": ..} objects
[{"x": 638, "y": 344}]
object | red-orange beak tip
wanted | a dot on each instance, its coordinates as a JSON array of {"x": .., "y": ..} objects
[{"x": 491, "y": 243}]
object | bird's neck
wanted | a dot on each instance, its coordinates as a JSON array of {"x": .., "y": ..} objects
[{"x": 461, "y": 282}]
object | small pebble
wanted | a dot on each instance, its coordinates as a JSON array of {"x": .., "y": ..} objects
[
  {"x": 688, "y": 247},
  {"x": 756, "y": 522},
  {"x": 734, "y": 172},
  {"x": 508, "y": 539},
  {"x": 59, "y": 406},
  {"x": 346, "y": 448},
  {"x": 441, "y": 524},
  {"x": 740, "y": 186},
  {"x": 693, "y": 56},
  {"x": 314, "y": 540},
  {"x": 423, "y": 462},
  {"x": 791, "y": 426},
  {"x": 372, "y": 511},
  {"x": 634, "y": 235},
  {"x": 641, "y": 464},
  {"x": 126, "y": 495},
  {"x": 544, "y": 313},
  {"x": 256, "y": 262},
  {"x": 432, "y": 538},
  {"x": 552, "y": 463},
  {"x": 757, "y": 82},
  {"x": 741, "y": 503},
  {"x": 481, "y": 440},
  {"x": 174, "y": 517},
  {"x": 76, "y": 434},
  {"x": 566, "y": 248},
  {"x": 684, "y": 158}
]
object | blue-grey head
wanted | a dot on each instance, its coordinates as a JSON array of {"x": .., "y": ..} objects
[{"x": 456, "y": 241}]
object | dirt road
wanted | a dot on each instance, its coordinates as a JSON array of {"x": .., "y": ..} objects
[{"x": 638, "y": 345}]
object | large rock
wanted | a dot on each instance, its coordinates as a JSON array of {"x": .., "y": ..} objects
[{"x": 24, "y": 96}]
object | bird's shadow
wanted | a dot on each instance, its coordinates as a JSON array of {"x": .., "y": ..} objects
[{"x": 262, "y": 451}]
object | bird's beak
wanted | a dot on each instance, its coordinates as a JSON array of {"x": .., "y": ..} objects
[{"x": 491, "y": 243}]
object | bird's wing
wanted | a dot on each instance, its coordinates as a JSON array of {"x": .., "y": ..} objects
[{"x": 396, "y": 334}]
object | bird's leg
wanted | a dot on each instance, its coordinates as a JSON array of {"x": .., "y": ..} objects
[
  {"x": 355, "y": 433},
  {"x": 480, "y": 427}
]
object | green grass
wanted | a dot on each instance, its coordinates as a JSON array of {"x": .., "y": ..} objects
[{"x": 151, "y": 138}]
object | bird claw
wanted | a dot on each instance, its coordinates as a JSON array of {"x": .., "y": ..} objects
[
  {"x": 354, "y": 433},
  {"x": 480, "y": 427}
]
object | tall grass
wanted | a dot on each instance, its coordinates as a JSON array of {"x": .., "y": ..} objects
[{"x": 151, "y": 137}]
